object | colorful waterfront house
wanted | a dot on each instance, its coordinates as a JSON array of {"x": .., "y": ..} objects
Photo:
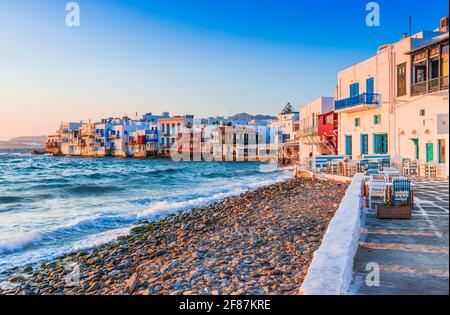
[
  {"x": 52, "y": 145},
  {"x": 102, "y": 144},
  {"x": 422, "y": 96},
  {"x": 317, "y": 134},
  {"x": 170, "y": 129},
  {"x": 236, "y": 143},
  {"x": 369, "y": 94},
  {"x": 141, "y": 139},
  {"x": 288, "y": 124},
  {"x": 68, "y": 135}
]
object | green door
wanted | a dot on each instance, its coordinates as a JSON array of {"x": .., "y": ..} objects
[
  {"x": 416, "y": 143},
  {"x": 348, "y": 146},
  {"x": 430, "y": 150}
]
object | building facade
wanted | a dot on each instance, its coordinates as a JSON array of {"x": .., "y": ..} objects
[
  {"x": 311, "y": 142},
  {"x": 396, "y": 102}
]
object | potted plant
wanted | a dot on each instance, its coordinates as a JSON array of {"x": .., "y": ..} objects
[{"x": 390, "y": 211}]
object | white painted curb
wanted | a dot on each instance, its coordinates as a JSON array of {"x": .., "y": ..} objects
[{"x": 330, "y": 271}]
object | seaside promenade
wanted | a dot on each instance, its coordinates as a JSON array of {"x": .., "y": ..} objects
[{"x": 412, "y": 254}]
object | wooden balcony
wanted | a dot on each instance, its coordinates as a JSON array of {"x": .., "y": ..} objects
[{"x": 428, "y": 86}]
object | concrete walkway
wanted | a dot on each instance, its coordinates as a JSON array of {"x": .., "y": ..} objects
[{"x": 412, "y": 255}]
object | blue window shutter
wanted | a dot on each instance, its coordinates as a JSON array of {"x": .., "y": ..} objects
[
  {"x": 364, "y": 144},
  {"x": 375, "y": 144}
]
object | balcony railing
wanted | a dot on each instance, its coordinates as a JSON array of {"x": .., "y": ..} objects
[
  {"x": 431, "y": 85},
  {"x": 361, "y": 99},
  {"x": 309, "y": 131}
]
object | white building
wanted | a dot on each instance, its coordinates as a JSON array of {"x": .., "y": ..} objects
[{"x": 381, "y": 99}]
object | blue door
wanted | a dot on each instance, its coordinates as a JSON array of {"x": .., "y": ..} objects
[
  {"x": 354, "y": 89},
  {"x": 364, "y": 144},
  {"x": 370, "y": 86},
  {"x": 348, "y": 146}
]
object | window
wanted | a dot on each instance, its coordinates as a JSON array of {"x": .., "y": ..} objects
[
  {"x": 357, "y": 122},
  {"x": 419, "y": 74},
  {"x": 364, "y": 144},
  {"x": 354, "y": 89},
  {"x": 401, "y": 79},
  {"x": 376, "y": 119},
  {"x": 370, "y": 86},
  {"x": 422, "y": 112},
  {"x": 433, "y": 74},
  {"x": 380, "y": 145}
]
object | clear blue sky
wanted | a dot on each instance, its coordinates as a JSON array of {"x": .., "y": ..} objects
[{"x": 204, "y": 57}]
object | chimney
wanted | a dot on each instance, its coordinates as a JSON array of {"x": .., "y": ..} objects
[
  {"x": 443, "y": 25},
  {"x": 405, "y": 35}
]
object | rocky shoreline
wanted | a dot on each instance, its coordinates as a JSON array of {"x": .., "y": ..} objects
[{"x": 260, "y": 242}]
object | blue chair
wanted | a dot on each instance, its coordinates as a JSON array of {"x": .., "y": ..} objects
[{"x": 401, "y": 191}]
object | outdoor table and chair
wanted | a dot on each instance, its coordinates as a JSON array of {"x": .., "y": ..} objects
[{"x": 388, "y": 186}]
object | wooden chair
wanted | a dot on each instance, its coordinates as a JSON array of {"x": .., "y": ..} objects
[
  {"x": 401, "y": 191},
  {"x": 440, "y": 170},
  {"x": 390, "y": 173},
  {"x": 431, "y": 170},
  {"x": 377, "y": 188}
]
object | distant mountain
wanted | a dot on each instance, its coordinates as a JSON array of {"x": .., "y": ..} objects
[
  {"x": 28, "y": 142},
  {"x": 245, "y": 116}
]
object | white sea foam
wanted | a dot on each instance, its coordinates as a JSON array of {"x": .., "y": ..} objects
[
  {"x": 19, "y": 242},
  {"x": 100, "y": 239},
  {"x": 233, "y": 189}
]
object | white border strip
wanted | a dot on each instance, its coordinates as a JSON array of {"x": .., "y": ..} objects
[{"x": 331, "y": 269}]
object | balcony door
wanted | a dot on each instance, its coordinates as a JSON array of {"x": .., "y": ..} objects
[
  {"x": 370, "y": 86},
  {"x": 354, "y": 89}
]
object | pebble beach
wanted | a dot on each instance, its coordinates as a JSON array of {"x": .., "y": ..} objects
[{"x": 258, "y": 243}]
